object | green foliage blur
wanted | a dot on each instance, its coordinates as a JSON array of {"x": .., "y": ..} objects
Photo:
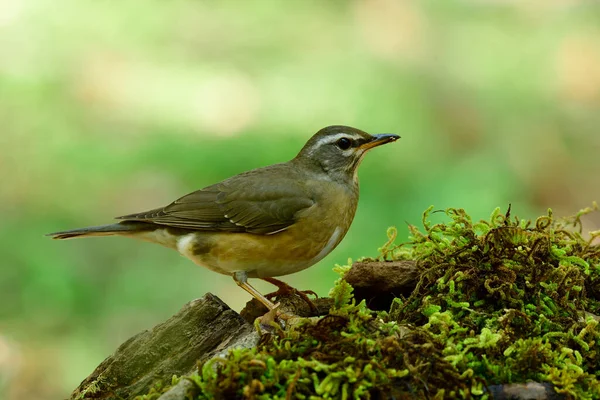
[{"x": 108, "y": 108}]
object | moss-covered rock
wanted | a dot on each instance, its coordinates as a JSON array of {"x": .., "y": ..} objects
[{"x": 497, "y": 302}]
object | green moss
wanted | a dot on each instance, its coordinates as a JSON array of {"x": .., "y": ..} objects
[
  {"x": 498, "y": 301},
  {"x": 95, "y": 388}
]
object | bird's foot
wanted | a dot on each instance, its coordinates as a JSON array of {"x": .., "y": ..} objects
[
  {"x": 274, "y": 318},
  {"x": 286, "y": 290}
]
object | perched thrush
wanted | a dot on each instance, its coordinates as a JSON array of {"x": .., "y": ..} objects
[{"x": 267, "y": 222}]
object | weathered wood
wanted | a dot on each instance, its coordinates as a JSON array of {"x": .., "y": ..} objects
[{"x": 199, "y": 330}]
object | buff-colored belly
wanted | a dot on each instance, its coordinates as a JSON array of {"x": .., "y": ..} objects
[{"x": 261, "y": 256}]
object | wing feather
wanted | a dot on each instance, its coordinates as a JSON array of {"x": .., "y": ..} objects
[{"x": 249, "y": 202}]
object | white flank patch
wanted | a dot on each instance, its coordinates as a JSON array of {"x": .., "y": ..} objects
[{"x": 184, "y": 245}]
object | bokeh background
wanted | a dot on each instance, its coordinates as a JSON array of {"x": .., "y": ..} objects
[{"x": 108, "y": 108}]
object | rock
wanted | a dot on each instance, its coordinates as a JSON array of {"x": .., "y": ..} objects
[{"x": 525, "y": 391}]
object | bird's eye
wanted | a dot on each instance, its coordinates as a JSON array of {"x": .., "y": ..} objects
[{"x": 344, "y": 143}]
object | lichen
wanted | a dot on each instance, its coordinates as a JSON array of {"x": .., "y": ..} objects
[{"x": 498, "y": 301}]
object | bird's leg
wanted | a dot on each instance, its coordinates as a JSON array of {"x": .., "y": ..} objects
[
  {"x": 284, "y": 288},
  {"x": 241, "y": 278}
]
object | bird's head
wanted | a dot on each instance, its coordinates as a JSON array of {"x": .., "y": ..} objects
[{"x": 338, "y": 150}]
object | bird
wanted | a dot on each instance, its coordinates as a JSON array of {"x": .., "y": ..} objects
[{"x": 264, "y": 223}]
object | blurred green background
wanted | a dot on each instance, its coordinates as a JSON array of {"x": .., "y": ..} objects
[{"x": 108, "y": 108}]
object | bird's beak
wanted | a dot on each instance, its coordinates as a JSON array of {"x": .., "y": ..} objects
[{"x": 380, "y": 139}]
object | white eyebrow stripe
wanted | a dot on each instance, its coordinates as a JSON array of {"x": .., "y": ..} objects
[{"x": 335, "y": 138}]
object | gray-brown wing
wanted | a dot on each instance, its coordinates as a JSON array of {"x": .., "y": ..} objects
[{"x": 234, "y": 207}]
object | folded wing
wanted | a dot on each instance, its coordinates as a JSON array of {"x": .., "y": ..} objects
[{"x": 245, "y": 203}]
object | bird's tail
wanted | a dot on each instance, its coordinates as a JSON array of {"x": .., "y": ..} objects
[{"x": 119, "y": 228}]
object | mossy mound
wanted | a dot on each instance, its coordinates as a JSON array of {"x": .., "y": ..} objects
[{"x": 498, "y": 302}]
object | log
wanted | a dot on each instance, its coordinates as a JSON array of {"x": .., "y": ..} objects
[{"x": 202, "y": 328}]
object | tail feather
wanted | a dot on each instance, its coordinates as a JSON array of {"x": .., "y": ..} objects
[{"x": 102, "y": 230}]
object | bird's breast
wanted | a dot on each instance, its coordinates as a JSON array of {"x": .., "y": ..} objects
[{"x": 318, "y": 230}]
